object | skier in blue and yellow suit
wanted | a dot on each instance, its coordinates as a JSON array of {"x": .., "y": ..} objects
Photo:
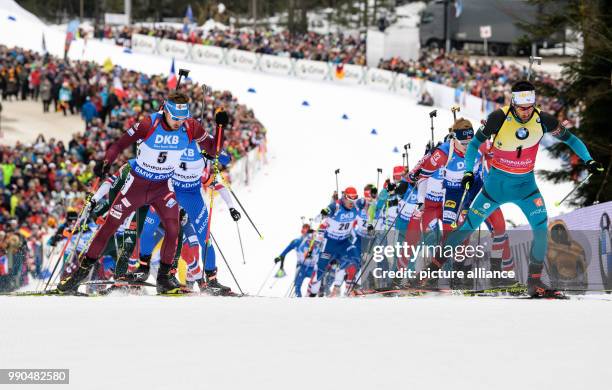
[{"x": 517, "y": 130}]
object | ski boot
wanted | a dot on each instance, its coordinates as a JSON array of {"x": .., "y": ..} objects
[
  {"x": 166, "y": 282},
  {"x": 71, "y": 283},
  {"x": 141, "y": 274},
  {"x": 536, "y": 288},
  {"x": 496, "y": 265},
  {"x": 211, "y": 285}
]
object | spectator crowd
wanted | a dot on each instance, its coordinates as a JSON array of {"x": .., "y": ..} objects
[
  {"x": 40, "y": 180},
  {"x": 337, "y": 48},
  {"x": 485, "y": 78}
]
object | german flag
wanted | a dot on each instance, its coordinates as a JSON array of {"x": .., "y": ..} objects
[
  {"x": 340, "y": 71},
  {"x": 24, "y": 231}
]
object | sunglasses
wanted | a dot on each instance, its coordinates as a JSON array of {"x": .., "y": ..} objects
[
  {"x": 350, "y": 199},
  {"x": 175, "y": 118},
  {"x": 523, "y": 109},
  {"x": 464, "y": 134}
]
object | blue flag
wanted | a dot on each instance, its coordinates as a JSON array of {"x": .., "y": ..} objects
[{"x": 189, "y": 14}]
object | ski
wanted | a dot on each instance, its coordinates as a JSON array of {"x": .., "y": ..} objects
[
  {"x": 117, "y": 283},
  {"x": 515, "y": 289},
  {"x": 406, "y": 292},
  {"x": 53, "y": 292}
]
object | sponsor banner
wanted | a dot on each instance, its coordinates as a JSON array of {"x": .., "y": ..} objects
[
  {"x": 312, "y": 70},
  {"x": 144, "y": 44},
  {"x": 177, "y": 49},
  {"x": 381, "y": 79},
  {"x": 242, "y": 59},
  {"x": 212, "y": 55},
  {"x": 276, "y": 65},
  {"x": 346, "y": 73},
  {"x": 408, "y": 85}
]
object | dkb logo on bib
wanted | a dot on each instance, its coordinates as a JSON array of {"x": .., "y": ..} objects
[{"x": 166, "y": 139}]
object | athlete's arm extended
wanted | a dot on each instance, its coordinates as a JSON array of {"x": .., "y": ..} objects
[
  {"x": 436, "y": 160},
  {"x": 138, "y": 131},
  {"x": 551, "y": 125},
  {"x": 225, "y": 194},
  {"x": 208, "y": 144},
  {"x": 292, "y": 245},
  {"x": 494, "y": 122}
]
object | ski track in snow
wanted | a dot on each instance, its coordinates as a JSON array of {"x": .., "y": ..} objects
[{"x": 162, "y": 343}]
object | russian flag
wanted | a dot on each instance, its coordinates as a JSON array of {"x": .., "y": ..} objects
[
  {"x": 3, "y": 265},
  {"x": 171, "y": 83}
]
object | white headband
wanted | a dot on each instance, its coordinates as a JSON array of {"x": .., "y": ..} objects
[{"x": 523, "y": 97}]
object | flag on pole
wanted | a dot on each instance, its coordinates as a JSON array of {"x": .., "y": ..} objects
[
  {"x": 118, "y": 88},
  {"x": 71, "y": 35},
  {"x": 189, "y": 14},
  {"x": 171, "y": 83},
  {"x": 25, "y": 232},
  {"x": 458, "y": 8},
  {"x": 188, "y": 19},
  {"x": 3, "y": 265}
]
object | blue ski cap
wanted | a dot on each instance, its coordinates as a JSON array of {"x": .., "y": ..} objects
[{"x": 177, "y": 111}]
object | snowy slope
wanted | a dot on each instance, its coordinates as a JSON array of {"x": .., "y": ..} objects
[
  {"x": 249, "y": 343},
  {"x": 223, "y": 343},
  {"x": 306, "y": 144}
]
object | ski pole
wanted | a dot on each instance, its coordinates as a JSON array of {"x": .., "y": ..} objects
[
  {"x": 219, "y": 135},
  {"x": 336, "y": 172},
  {"x": 293, "y": 286},
  {"x": 432, "y": 114},
  {"x": 182, "y": 72},
  {"x": 46, "y": 264},
  {"x": 380, "y": 241},
  {"x": 242, "y": 207},
  {"x": 226, "y": 263},
  {"x": 461, "y": 207},
  {"x": 274, "y": 282},
  {"x": 583, "y": 182},
  {"x": 406, "y": 147},
  {"x": 454, "y": 109},
  {"x": 240, "y": 240},
  {"x": 378, "y": 173},
  {"x": 77, "y": 224},
  {"x": 266, "y": 279}
]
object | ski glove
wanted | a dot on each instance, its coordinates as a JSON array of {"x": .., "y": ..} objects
[
  {"x": 468, "y": 180},
  {"x": 325, "y": 212},
  {"x": 235, "y": 214},
  {"x": 391, "y": 187},
  {"x": 101, "y": 169},
  {"x": 279, "y": 259},
  {"x": 221, "y": 117},
  {"x": 370, "y": 228},
  {"x": 594, "y": 166}
]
